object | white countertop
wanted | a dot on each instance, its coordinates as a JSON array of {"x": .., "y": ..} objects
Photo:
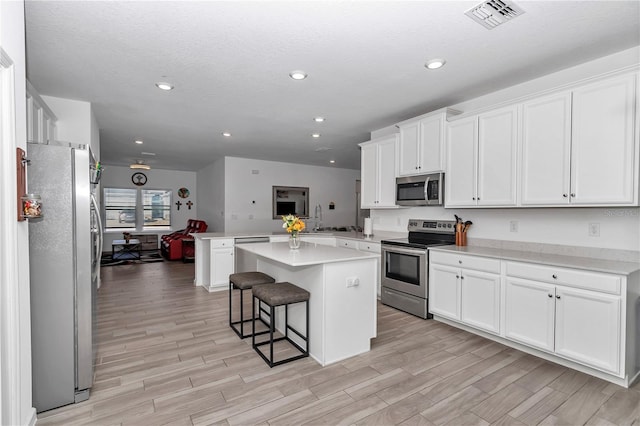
[
  {"x": 307, "y": 254},
  {"x": 359, "y": 236},
  {"x": 575, "y": 262}
]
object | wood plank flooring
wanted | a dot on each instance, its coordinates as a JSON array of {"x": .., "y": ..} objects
[{"x": 167, "y": 356}]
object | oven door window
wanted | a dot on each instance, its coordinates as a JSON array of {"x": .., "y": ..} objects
[
  {"x": 410, "y": 191},
  {"x": 403, "y": 267}
]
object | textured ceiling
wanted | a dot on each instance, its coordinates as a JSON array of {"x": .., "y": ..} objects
[{"x": 229, "y": 62}]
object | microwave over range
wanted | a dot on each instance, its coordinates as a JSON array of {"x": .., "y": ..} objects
[{"x": 421, "y": 190}]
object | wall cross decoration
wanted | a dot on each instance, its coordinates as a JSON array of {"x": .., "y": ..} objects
[
  {"x": 178, "y": 203},
  {"x": 189, "y": 204}
]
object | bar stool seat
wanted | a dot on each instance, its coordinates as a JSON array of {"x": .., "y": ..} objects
[
  {"x": 274, "y": 295},
  {"x": 245, "y": 281}
]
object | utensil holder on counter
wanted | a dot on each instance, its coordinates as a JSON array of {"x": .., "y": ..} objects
[{"x": 461, "y": 236}]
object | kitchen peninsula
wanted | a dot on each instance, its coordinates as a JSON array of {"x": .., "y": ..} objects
[{"x": 342, "y": 283}]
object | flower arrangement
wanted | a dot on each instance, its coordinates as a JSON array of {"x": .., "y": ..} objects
[{"x": 293, "y": 224}]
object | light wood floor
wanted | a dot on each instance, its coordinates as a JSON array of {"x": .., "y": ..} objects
[{"x": 167, "y": 356}]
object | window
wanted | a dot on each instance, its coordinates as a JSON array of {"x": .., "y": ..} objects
[
  {"x": 120, "y": 207},
  {"x": 157, "y": 207}
]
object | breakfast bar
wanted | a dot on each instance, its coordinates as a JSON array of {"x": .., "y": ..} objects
[{"x": 342, "y": 283}]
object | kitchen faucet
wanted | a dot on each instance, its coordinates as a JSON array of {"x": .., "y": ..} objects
[{"x": 317, "y": 218}]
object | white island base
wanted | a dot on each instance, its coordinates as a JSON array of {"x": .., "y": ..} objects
[{"x": 342, "y": 305}]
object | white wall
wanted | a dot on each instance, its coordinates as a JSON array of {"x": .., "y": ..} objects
[
  {"x": 248, "y": 195},
  {"x": 619, "y": 227},
  {"x": 211, "y": 195},
  {"x": 15, "y": 316},
  {"x": 120, "y": 177}
]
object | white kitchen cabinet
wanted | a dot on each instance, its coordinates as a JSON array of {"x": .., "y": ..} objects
[
  {"x": 578, "y": 324},
  {"x": 421, "y": 144},
  {"x": 444, "y": 291},
  {"x": 530, "y": 313},
  {"x": 578, "y": 147},
  {"x": 41, "y": 122},
  {"x": 465, "y": 288},
  {"x": 378, "y": 173},
  {"x": 546, "y": 150},
  {"x": 346, "y": 243},
  {"x": 588, "y": 328},
  {"x": 482, "y": 160},
  {"x": 222, "y": 261},
  {"x": 602, "y": 142}
]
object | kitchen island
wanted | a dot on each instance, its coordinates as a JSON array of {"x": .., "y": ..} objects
[{"x": 342, "y": 283}]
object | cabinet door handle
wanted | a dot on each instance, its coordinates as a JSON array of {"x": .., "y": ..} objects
[
  {"x": 461, "y": 277},
  {"x": 555, "y": 277},
  {"x": 550, "y": 295},
  {"x": 558, "y": 296},
  {"x": 457, "y": 276},
  {"x": 474, "y": 198},
  {"x": 460, "y": 262},
  {"x": 564, "y": 195},
  {"x": 573, "y": 194}
]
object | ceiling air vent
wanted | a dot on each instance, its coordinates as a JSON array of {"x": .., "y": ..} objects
[{"x": 492, "y": 13}]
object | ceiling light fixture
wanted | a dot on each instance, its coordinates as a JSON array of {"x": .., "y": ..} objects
[
  {"x": 315, "y": 135},
  {"x": 226, "y": 134},
  {"x": 332, "y": 161},
  {"x": 434, "y": 64},
  {"x": 139, "y": 164},
  {"x": 298, "y": 75},
  {"x": 319, "y": 119},
  {"x": 139, "y": 142},
  {"x": 162, "y": 85}
]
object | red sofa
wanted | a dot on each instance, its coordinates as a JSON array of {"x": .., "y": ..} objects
[{"x": 171, "y": 245}]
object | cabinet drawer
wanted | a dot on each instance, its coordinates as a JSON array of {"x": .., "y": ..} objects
[
  {"x": 352, "y": 244},
  {"x": 217, "y": 243},
  {"x": 465, "y": 261},
  {"x": 570, "y": 277},
  {"x": 372, "y": 247}
]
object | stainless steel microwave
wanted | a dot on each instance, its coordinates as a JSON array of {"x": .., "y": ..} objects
[{"x": 421, "y": 190}]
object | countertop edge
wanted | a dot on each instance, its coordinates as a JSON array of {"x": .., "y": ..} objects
[{"x": 575, "y": 262}]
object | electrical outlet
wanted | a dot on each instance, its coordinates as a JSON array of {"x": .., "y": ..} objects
[
  {"x": 594, "y": 229},
  {"x": 513, "y": 226},
  {"x": 353, "y": 282}
]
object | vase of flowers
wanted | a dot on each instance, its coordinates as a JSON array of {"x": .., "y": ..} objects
[{"x": 294, "y": 225}]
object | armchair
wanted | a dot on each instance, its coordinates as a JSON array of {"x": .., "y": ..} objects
[{"x": 171, "y": 245}]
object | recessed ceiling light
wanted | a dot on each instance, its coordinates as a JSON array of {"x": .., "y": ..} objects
[
  {"x": 332, "y": 161},
  {"x": 226, "y": 134},
  {"x": 298, "y": 75},
  {"x": 164, "y": 85},
  {"x": 434, "y": 64},
  {"x": 315, "y": 135},
  {"x": 318, "y": 119},
  {"x": 139, "y": 142}
]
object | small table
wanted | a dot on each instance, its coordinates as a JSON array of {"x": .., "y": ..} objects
[{"x": 126, "y": 250}]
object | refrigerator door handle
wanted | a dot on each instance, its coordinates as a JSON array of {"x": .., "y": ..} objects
[{"x": 98, "y": 253}]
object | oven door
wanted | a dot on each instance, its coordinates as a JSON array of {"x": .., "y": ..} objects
[{"x": 405, "y": 270}]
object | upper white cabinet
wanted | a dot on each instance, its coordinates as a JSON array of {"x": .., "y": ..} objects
[
  {"x": 482, "y": 160},
  {"x": 421, "y": 144},
  {"x": 578, "y": 147},
  {"x": 41, "y": 121},
  {"x": 602, "y": 144},
  {"x": 378, "y": 173},
  {"x": 546, "y": 150}
]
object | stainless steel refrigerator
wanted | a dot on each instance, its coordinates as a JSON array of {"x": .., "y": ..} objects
[{"x": 64, "y": 260}]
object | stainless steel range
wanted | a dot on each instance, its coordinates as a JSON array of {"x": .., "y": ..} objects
[{"x": 405, "y": 265}]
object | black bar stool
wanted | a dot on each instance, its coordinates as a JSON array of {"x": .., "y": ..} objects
[
  {"x": 245, "y": 281},
  {"x": 273, "y": 295}
]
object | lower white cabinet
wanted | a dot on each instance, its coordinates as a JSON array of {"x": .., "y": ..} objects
[
  {"x": 581, "y": 325},
  {"x": 571, "y": 313},
  {"x": 467, "y": 295},
  {"x": 222, "y": 262},
  {"x": 582, "y": 318}
]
